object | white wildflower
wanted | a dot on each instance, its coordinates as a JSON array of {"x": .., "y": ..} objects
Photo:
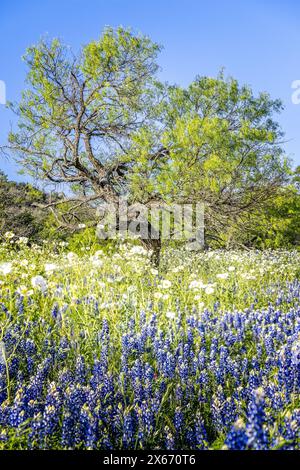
[
  {"x": 6, "y": 268},
  {"x": 24, "y": 291},
  {"x": 50, "y": 267},
  {"x": 96, "y": 261},
  {"x": 196, "y": 284},
  {"x": 154, "y": 272},
  {"x": 209, "y": 290},
  {"x": 22, "y": 241},
  {"x": 71, "y": 256},
  {"x": 165, "y": 284},
  {"x": 222, "y": 276},
  {"x": 24, "y": 262},
  {"x": 9, "y": 235},
  {"x": 138, "y": 250},
  {"x": 170, "y": 315},
  {"x": 177, "y": 269}
]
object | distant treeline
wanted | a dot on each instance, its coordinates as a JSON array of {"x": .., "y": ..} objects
[{"x": 20, "y": 212}]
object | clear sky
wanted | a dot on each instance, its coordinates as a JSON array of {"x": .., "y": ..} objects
[{"x": 257, "y": 42}]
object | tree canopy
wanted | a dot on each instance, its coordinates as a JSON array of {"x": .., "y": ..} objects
[{"x": 101, "y": 122}]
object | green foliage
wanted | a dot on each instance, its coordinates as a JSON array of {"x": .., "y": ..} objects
[
  {"x": 279, "y": 224},
  {"x": 86, "y": 239},
  {"x": 103, "y": 124},
  {"x": 103, "y": 93},
  {"x": 17, "y": 212},
  {"x": 220, "y": 138}
]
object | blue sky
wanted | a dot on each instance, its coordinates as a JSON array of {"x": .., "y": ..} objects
[{"x": 258, "y": 42}]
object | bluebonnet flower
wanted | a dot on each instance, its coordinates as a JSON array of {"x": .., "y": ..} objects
[
  {"x": 169, "y": 439},
  {"x": 37, "y": 381},
  {"x": 86, "y": 430},
  {"x": 17, "y": 412},
  {"x": 217, "y": 405},
  {"x": 50, "y": 416},
  {"x": 148, "y": 381},
  {"x": 200, "y": 367},
  {"x": 237, "y": 438},
  {"x": 80, "y": 370},
  {"x": 178, "y": 421},
  {"x": 146, "y": 421},
  {"x": 128, "y": 430},
  {"x": 63, "y": 349},
  {"x": 199, "y": 434},
  {"x": 289, "y": 432},
  {"x": 56, "y": 313},
  {"x": 68, "y": 430},
  {"x": 183, "y": 369},
  {"x": 5, "y": 310},
  {"x": 13, "y": 365},
  {"x": 20, "y": 304},
  {"x": 169, "y": 365},
  {"x": 256, "y": 421},
  {"x": 35, "y": 427}
]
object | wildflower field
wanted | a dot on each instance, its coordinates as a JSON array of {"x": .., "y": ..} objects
[{"x": 99, "y": 350}]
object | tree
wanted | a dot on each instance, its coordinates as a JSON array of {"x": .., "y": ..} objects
[
  {"x": 102, "y": 123},
  {"x": 78, "y": 115},
  {"x": 223, "y": 148}
]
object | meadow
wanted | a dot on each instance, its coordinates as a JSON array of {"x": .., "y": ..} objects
[{"x": 100, "y": 350}]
